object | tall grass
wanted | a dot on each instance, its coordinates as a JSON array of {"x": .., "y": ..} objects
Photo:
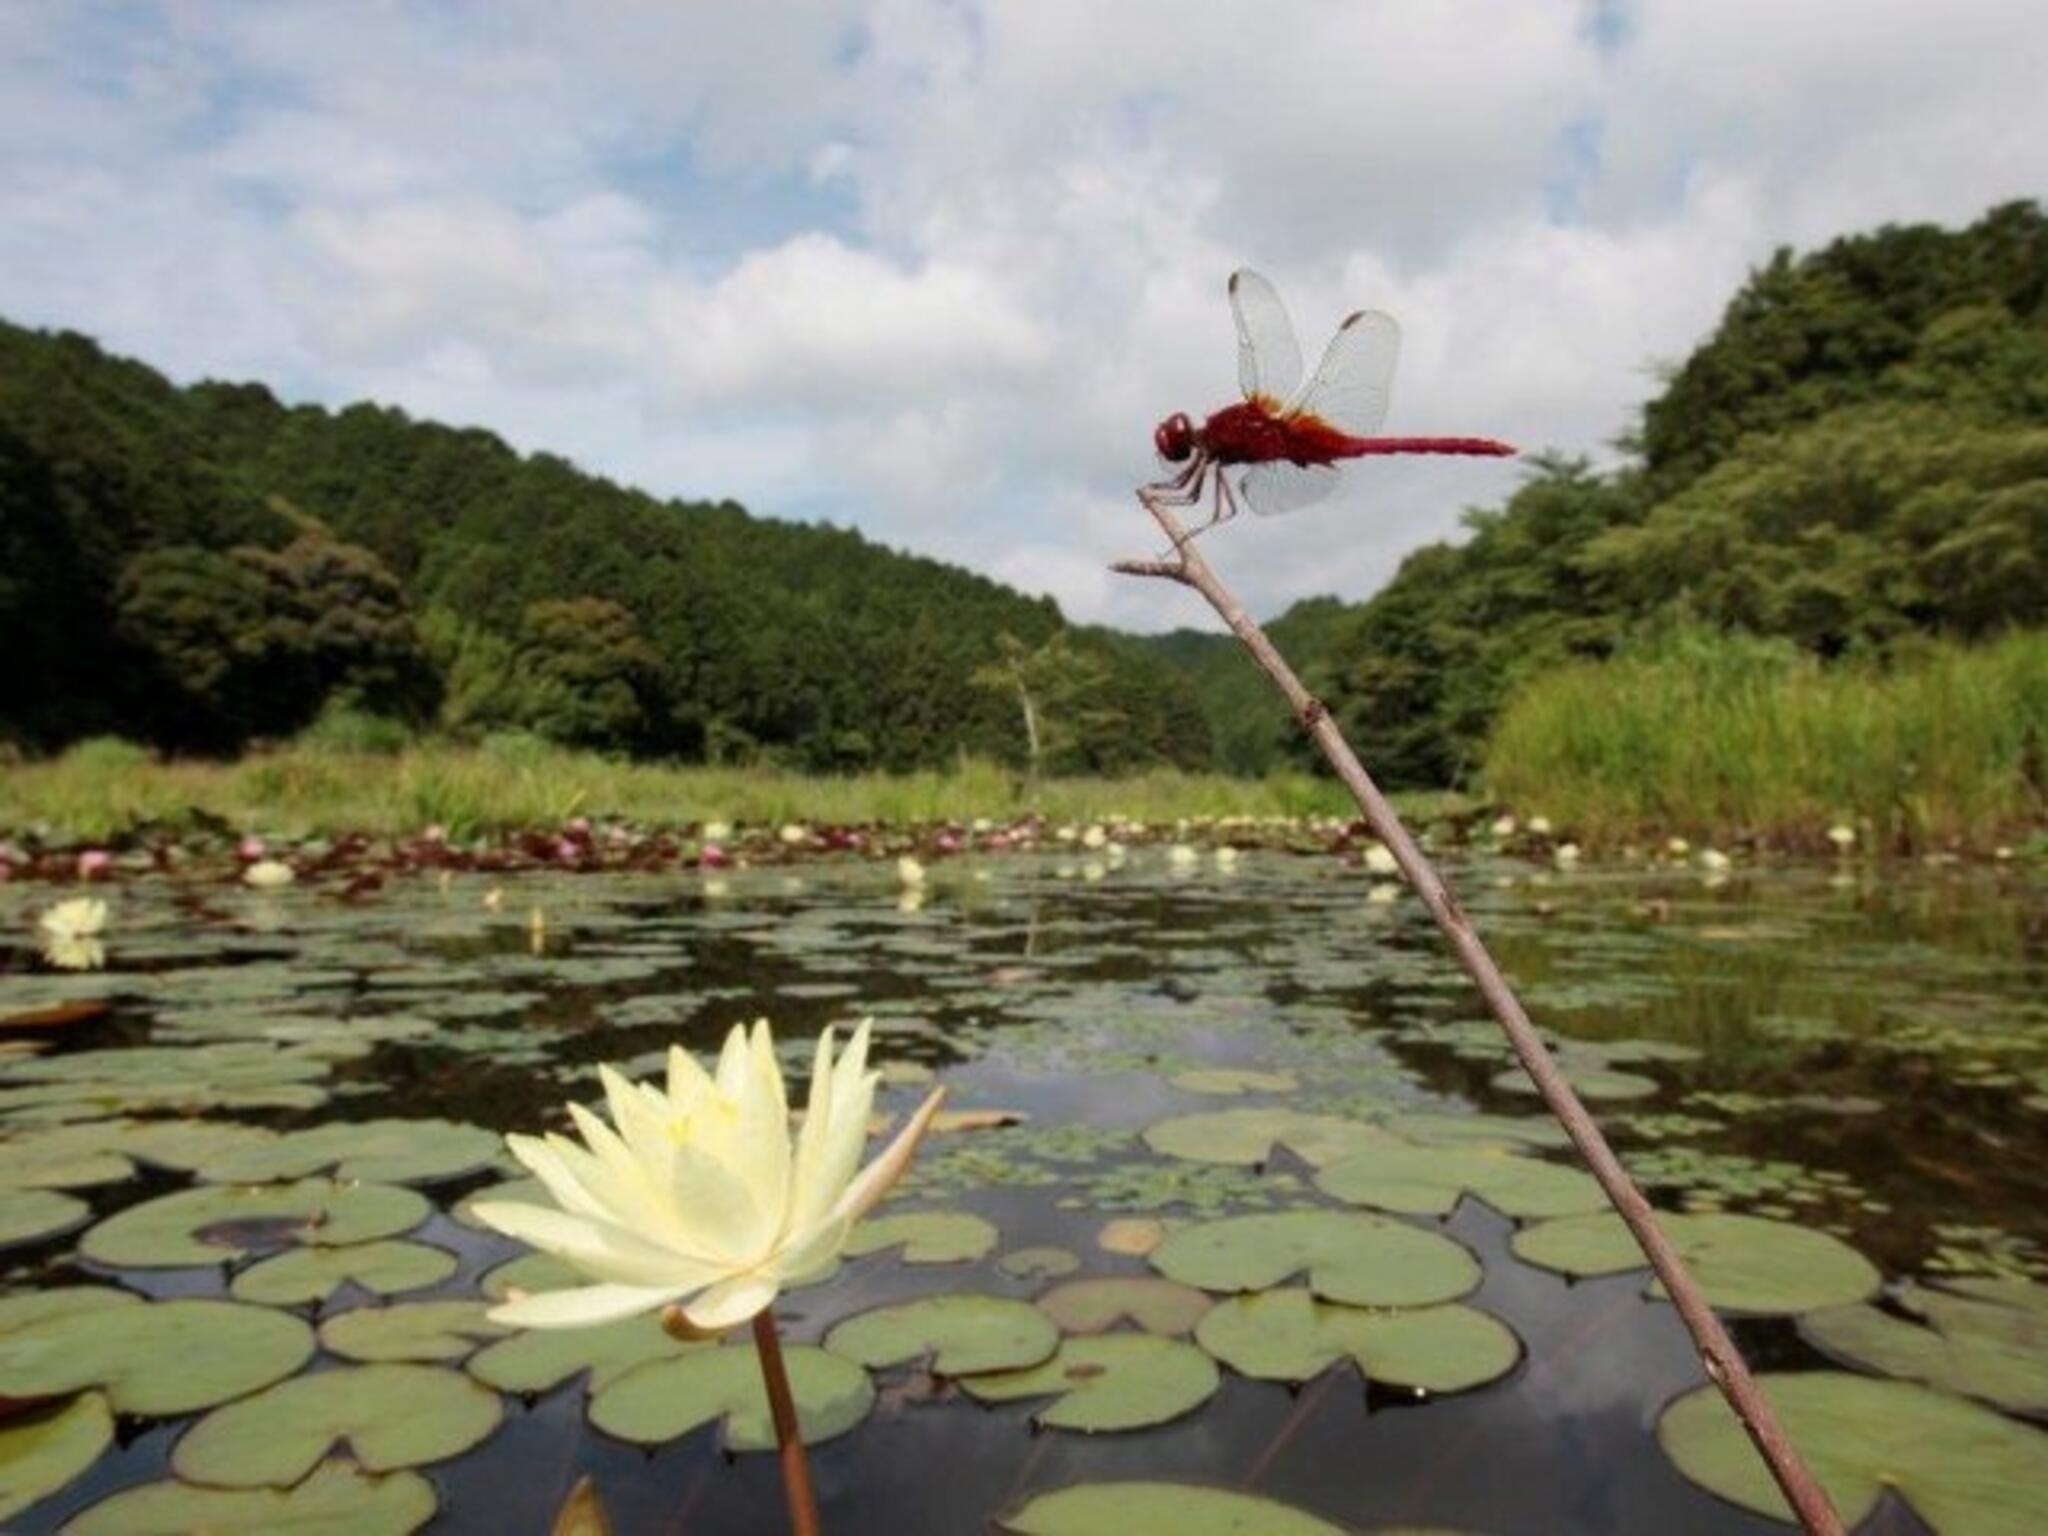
[
  {"x": 1727, "y": 735},
  {"x": 101, "y": 789}
]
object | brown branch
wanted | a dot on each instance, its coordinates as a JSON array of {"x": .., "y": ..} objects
[
  {"x": 796, "y": 1466},
  {"x": 1720, "y": 1358}
]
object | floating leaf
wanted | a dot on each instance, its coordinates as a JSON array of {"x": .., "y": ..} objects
[
  {"x": 1451, "y": 1130},
  {"x": 1248, "y": 1136},
  {"x": 1111, "y": 1381},
  {"x": 1233, "y": 1080},
  {"x": 1742, "y": 1263},
  {"x": 411, "y": 1330},
  {"x": 1099, "y": 1303},
  {"x": 224, "y": 1222},
  {"x": 1288, "y": 1335},
  {"x": 32, "y": 1307},
  {"x": 1992, "y": 1345},
  {"x": 959, "y": 1333},
  {"x": 61, "y": 1157},
  {"x": 1428, "y": 1181},
  {"x": 544, "y": 1358},
  {"x": 1366, "y": 1261},
  {"x": 315, "y": 1274},
  {"x": 1592, "y": 1082},
  {"x": 1132, "y": 1236},
  {"x": 665, "y": 1399},
  {"x": 30, "y": 1215},
  {"x": 530, "y": 1273},
  {"x": 926, "y": 1237},
  {"x": 155, "y": 1358},
  {"x": 41, "y": 1452},
  {"x": 386, "y": 1416},
  {"x": 337, "y": 1500},
  {"x": 360, "y": 1151},
  {"x": 1039, "y": 1263},
  {"x": 1186, "y": 1509},
  {"x": 1962, "y": 1467}
]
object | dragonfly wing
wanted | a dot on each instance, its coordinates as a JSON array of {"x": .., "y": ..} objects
[
  {"x": 1268, "y": 356},
  {"x": 1351, "y": 388},
  {"x": 1283, "y": 486}
]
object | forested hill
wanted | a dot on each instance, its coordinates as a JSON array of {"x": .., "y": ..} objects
[
  {"x": 1856, "y": 458},
  {"x": 196, "y": 567}
]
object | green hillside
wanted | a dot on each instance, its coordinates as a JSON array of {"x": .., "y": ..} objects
[
  {"x": 1855, "y": 461},
  {"x": 197, "y": 567}
]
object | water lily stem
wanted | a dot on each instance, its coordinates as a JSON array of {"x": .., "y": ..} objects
[
  {"x": 796, "y": 1466},
  {"x": 1719, "y": 1357}
]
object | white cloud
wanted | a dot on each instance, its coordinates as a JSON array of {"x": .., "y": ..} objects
[{"x": 936, "y": 268}]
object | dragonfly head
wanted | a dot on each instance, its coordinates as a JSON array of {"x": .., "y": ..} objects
[{"x": 1174, "y": 438}]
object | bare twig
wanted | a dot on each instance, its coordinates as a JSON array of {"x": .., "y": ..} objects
[
  {"x": 796, "y": 1466},
  {"x": 1722, "y": 1361}
]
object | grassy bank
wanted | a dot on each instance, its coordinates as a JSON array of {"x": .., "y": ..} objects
[
  {"x": 1728, "y": 736},
  {"x": 101, "y": 789}
]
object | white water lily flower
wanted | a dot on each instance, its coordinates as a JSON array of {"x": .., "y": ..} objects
[
  {"x": 909, "y": 871},
  {"x": 1539, "y": 826},
  {"x": 1504, "y": 826},
  {"x": 1379, "y": 860},
  {"x": 70, "y": 934},
  {"x": 268, "y": 874},
  {"x": 80, "y": 917},
  {"x": 696, "y": 1195},
  {"x": 1843, "y": 836}
]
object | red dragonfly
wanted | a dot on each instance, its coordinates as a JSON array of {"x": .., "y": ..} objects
[{"x": 1288, "y": 434}]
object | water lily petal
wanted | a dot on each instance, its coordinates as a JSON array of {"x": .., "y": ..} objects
[
  {"x": 549, "y": 1165},
  {"x": 581, "y": 1307},
  {"x": 732, "y": 1065},
  {"x": 601, "y": 1250},
  {"x": 687, "y": 1079},
  {"x": 730, "y": 1302},
  {"x": 874, "y": 1181},
  {"x": 760, "y": 1151}
]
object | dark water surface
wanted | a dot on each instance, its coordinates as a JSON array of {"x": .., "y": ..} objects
[{"x": 1866, "y": 1053}]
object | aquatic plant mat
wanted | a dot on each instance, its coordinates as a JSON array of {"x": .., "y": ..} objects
[{"x": 1244, "y": 1224}]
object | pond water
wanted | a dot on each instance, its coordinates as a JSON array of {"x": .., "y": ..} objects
[{"x": 1855, "y": 1056}]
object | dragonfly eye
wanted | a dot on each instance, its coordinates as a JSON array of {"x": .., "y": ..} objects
[{"x": 1174, "y": 437}]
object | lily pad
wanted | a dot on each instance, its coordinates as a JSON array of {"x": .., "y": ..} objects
[
  {"x": 1233, "y": 1080},
  {"x": 41, "y": 1452},
  {"x": 1111, "y": 1381},
  {"x": 544, "y": 1358},
  {"x": 958, "y": 1333},
  {"x": 315, "y": 1274},
  {"x": 1429, "y": 1181},
  {"x": 411, "y": 1330},
  {"x": 1039, "y": 1263},
  {"x": 1287, "y": 1335},
  {"x": 224, "y": 1222},
  {"x": 1361, "y": 1260},
  {"x": 1742, "y": 1263},
  {"x": 1101, "y": 1302},
  {"x": 156, "y": 1358},
  {"x": 1962, "y": 1467},
  {"x": 1592, "y": 1082},
  {"x": 364, "y": 1151},
  {"x": 926, "y": 1237},
  {"x": 1249, "y": 1136},
  {"x": 1186, "y": 1509},
  {"x": 1992, "y": 1345},
  {"x": 386, "y": 1416},
  {"x": 665, "y": 1399},
  {"x": 528, "y": 1273},
  {"x": 1439, "y": 1129},
  {"x": 337, "y": 1500},
  {"x": 32, "y": 1307},
  {"x": 30, "y": 1215}
]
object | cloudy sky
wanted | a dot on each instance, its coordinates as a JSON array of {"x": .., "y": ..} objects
[{"x": 935, "y": 267}]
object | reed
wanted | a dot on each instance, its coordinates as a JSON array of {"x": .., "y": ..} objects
[
  {"x": 102, "y": 789},
  {"x": 1727, "y": 736}
]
